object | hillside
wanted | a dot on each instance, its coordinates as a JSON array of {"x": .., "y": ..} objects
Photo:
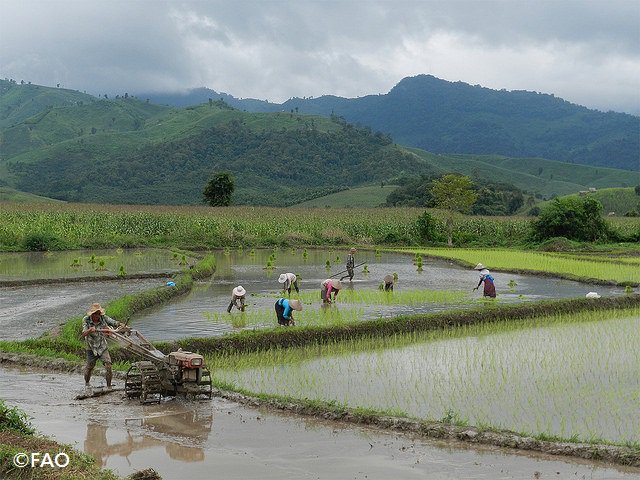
[
  {"x": 455, "y": 117},
  {"x": 15, "y": 196},
  {"x": 361, "y": 197},
  {"x": 125, "y": 150}
]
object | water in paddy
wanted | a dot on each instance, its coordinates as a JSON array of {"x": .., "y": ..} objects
[
  {"x": 29, "y": 311},
  {"x": 561, "y": 379},
  {"x": 79, "y": 263},
  {"x": 220, "y": 439},
  {"x": 203, "y": 312}
]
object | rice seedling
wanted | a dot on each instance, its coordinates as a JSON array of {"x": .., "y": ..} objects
[
  {"x": 76, "y": 263},
  {"x": 528, "y": 261},
  {"x": 561, "y": 376},
  {"x": 101, "y": 266},
  {"x": 122, "y": 272}
]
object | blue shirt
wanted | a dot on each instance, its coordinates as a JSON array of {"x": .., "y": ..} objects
[{"x": 287, "y": 308}]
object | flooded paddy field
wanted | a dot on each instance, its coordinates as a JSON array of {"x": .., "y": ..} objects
[
  {"x": 87, "y": 263},
  {"x": 203, "y": 312},
  {"x": 29, "y": 311},
  {"x": 221, "y": 439},
  {"x": 571, "y": 376}
]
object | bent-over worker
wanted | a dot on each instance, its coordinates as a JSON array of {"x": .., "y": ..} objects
[
  {"x": 284, "y": 311},
  {"x": 237, "y": 298},
  {"x": 288, "y": 280},
  {"x": 328, "y": 286},
  {"x": 487, "y": 279}
]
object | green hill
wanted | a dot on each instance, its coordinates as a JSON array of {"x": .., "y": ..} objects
[
  {"x": 11, "y": 195},
  {"x": 367, "y": 196},
  {"x": 454, "y": 117},
  {"x": 124, "y": 150}
]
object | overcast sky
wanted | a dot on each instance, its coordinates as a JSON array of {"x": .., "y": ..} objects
[{"x": 585, "y": 51}]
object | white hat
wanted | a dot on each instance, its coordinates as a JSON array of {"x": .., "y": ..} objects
[
  {"x": 239, "y": 291},
  {"x": 592, "y": 295},
  {"x": 337, "y": 284},
  {"x": 296, "y": 305},
  {"x": 484, "y": 271},
  {"x": 282, "y": 278},
  {"x": 479, "y": 267}
]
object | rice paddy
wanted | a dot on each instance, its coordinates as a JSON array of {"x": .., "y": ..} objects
[
  {"x": 517, "y": 260},
  {"x": 569, "y": 376}
]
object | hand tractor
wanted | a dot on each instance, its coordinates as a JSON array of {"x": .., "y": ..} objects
[{"x": 160, "y": 375}]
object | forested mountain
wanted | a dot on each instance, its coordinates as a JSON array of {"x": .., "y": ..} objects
[
  {"x": 455, "y": 117},
  {"x": 128, "y": 150}
]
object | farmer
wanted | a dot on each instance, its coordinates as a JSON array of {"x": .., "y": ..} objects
[
  {"x": 237, "y": 299},
  {"x": 93, "y": 325},
  {"x": 388, "y": 283},
  {"x": 288, "y": 280},
  {"x": 328, "y": 286},
  {"x": 351, "y": 262},
  {"x": 284, "y": 311},
  {"x": 485, "y": 276}
]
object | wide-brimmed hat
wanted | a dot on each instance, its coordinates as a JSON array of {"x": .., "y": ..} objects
[
  {"x": 479, "y": 267},
  {"x": 296, "y": 305},
  {"x": 337, "y": 284},
  {"x": 388, "y": 279},
  {"x": 239, "y": 291},
  {"x": 282, "y": 278},
  {"x": 484, "y": 271},
  {"x": 353, "y": 250},
  {"x": 95, "y": 307}
]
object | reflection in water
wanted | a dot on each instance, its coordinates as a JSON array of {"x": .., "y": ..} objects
[{"x": 194, "y": 426}]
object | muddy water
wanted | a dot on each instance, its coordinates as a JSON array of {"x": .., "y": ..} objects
[
  {"x": 79, "y": 263},
  {"x": 191, "y": 315},
  {"x": 30, "y": 311},
  {"x": 220, "y": 439}
]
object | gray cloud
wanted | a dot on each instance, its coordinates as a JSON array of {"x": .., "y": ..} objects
[{"x": 585, "y": 51}]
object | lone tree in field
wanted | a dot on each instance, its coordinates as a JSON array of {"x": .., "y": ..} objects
[
  {"x": 574, "y": 218},
  {"x": 218, "y": 191},
  {"x": 455, "y": 194}
]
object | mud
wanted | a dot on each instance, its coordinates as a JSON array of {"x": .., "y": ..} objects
[
  {"x": 224, "y": 439},
  {"x": 30, "y": 311}
]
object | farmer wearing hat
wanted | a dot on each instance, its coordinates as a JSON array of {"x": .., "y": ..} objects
[
  {"x": 93, "y": 326},
  {"x": 288, "y": 280},
  {"x": 351, "y": 262},
  {"x": 485, "y": 276},
  {"x": 237, "y": 299},
  {"x": 388, "y": 283},
  {"x": 328, "y": 286},
  {"x": 284, "y": 311}
]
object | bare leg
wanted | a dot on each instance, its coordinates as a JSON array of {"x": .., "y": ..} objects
[
  {"x": 87, "y": 374},
  {"x": 108, "y": 374}
]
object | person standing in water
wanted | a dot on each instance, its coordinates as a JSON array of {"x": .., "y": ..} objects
[
  {"x": 351, "y": 263},
  {"x": 487, "y": 279}
]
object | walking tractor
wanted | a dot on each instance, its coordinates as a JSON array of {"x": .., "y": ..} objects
[{"x": 160, "y": 375}]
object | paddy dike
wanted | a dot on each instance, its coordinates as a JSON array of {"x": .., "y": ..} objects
[{"x": 228, "y": 439}]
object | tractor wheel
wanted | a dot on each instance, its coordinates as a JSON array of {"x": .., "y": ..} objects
[{"x": 143, "y": 382}]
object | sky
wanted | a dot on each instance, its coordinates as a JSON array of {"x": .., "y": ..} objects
[{"x": 584, "y": 51}]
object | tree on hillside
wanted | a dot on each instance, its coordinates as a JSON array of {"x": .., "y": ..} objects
[
  {"x": 455, "y": 194},
  {"x": 218, "y": 191},
  {"x": 574, "y": 218},
  {"x": 637, "y": 189}
]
